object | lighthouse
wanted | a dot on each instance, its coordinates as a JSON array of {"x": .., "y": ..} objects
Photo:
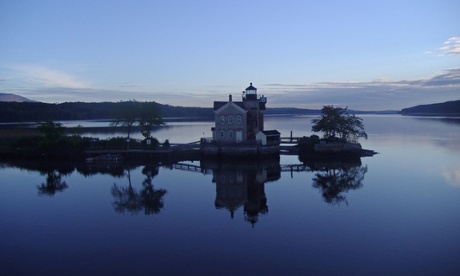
[
  {"x": 255, "y": 111},
  {"x": 239, "y": 128}
]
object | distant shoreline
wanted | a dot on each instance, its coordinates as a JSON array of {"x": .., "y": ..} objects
[{"x": 22, "y": 112}]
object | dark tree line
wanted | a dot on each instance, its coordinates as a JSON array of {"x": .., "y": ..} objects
[
  {"x": 33, "y": 111},
  {"x": 36, "y": 112},
  {"x": 40, "y": 112}
]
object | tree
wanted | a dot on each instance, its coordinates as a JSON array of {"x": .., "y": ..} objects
[
  {"x": 52, "y": 130},
  {"x": 149, "y": 117},
  {"x": 146, "y": 114},
  {"x": 335, "y": 122},
  {"x": 126, "y": 114}
]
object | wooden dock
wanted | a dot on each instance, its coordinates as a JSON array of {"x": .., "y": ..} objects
[
  {"x": 290, "y": 140},
  {"x": 175, "y": 151},
  {"x": 184, "y": 148}
]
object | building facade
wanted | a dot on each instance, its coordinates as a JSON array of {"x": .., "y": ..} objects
[{"x": 237, "y": 122}]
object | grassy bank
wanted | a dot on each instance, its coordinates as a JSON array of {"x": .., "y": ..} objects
[
  {"x": 19, "y": 132},
  {"x": 35, "y": 144}
]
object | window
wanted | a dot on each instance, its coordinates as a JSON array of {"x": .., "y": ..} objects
[
  {"x": 222, "y": 119},
  {"x": 239, "y": 135},
  {"x": 230, "y": 119},
  {"x": 230, "y": 133},
  {"x": 222, "y": 134},
  {"x": 238, "y": 119}
]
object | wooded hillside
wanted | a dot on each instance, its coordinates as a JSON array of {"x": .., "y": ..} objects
[
  {"x": 446, "y": 108},
  {"x": 36, "y": 111},
  {"x": 39, "y": 112}
]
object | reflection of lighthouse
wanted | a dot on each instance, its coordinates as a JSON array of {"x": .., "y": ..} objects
[
  {"x": 231, "y": 191},
  {"x": 256, "y": 201},
  {"x": 243, "y": 184}
]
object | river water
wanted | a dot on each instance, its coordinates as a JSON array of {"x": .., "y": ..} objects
[{"x": 395, "y": 212}]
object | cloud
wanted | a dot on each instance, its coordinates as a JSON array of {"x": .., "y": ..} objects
[
  {"x": 451, "y": 46},
  {"x": 448, "y": 78},
  {"x": 48, "y": 77},
  {"x": 374, "y": 95},
  {"x": 452, "y": 176}
]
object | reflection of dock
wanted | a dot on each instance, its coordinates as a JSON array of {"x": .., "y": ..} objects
[
  {"x": 198, "y": 168},
  {"x": 191, "y": 168}
]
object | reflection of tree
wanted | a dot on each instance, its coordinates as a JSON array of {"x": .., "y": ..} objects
[
  {"x": 112, "y": 168},
  {"x": 53, "y": 184},
  {"x": 127, "y": 199},
  {"x": 52, "y": 169},
  {"x": 151, "y": 199},
  {"x": 336, "y": 181}
]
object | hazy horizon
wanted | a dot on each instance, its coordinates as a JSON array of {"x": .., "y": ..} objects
[
  {"x": 365, "y": 55},
  {"x": 318, "y": 108}
]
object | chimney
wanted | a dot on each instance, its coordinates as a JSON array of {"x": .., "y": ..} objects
[{"x": 230, "y": 97}]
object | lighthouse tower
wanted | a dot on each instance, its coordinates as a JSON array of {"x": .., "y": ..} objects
[{"x": 255, "y": 108}]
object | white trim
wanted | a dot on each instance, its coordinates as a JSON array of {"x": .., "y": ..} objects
[{"x": 230, "y": 104}]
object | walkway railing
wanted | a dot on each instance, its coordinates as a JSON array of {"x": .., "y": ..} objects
[{"x": 290, "y": 140}]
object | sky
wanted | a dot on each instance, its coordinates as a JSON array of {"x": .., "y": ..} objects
[{"x": 366, "y": 55}]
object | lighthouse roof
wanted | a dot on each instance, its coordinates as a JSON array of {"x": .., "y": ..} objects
[{"x": 250, "y": 87}]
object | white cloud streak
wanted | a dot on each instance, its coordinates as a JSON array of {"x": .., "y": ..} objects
[
  {"x": 451, "y": 46},
  {"x": 48, "y": 77}
]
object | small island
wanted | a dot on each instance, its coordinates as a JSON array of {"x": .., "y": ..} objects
[{"x": 341, "y": 133}]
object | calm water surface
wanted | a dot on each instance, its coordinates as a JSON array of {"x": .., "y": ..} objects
[{"x": 395, "y": 212}]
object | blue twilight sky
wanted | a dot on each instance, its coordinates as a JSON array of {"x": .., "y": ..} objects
[{"x": 367, "y": 55}]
